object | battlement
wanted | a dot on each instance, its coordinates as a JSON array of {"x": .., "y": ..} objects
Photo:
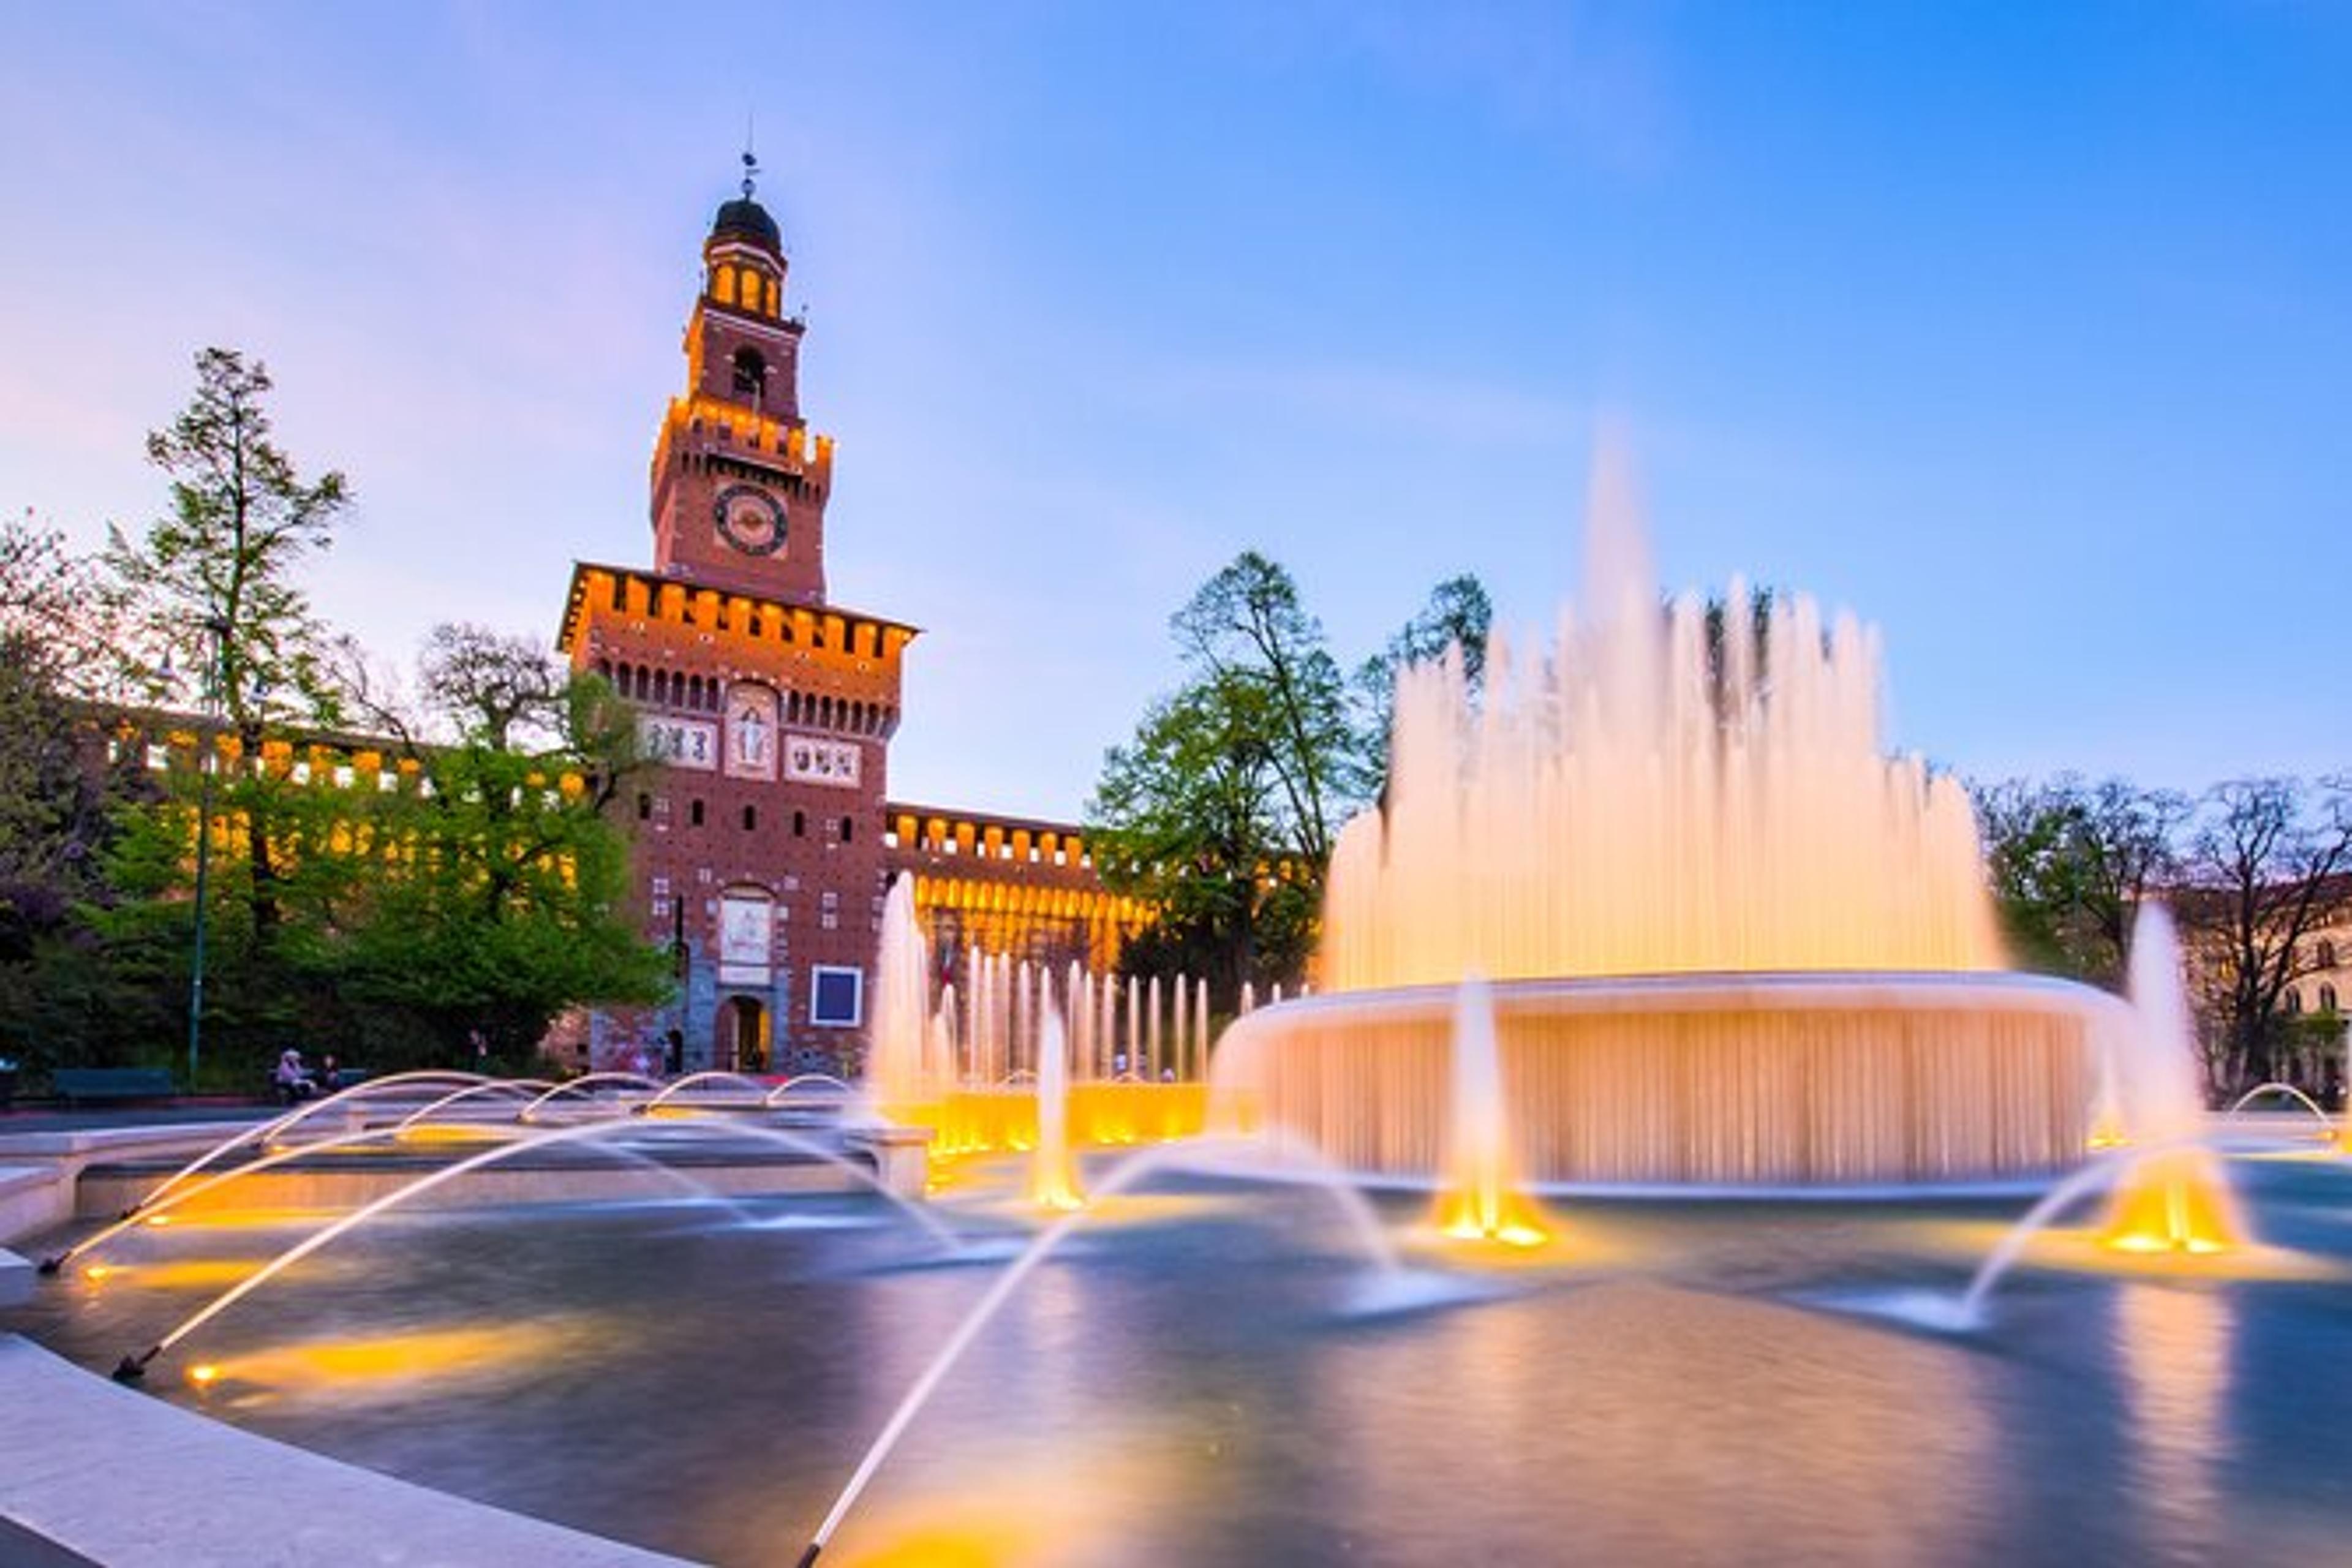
[
  {"x": 164, "y": 741},
  {"x": 929, "y": 831},
  {"x": 641, "y": 595},
  {"x": 1009, "y": 885},
  {"x": 769, "y": 443}
]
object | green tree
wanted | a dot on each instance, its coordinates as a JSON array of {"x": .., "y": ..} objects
[
  {"x": 2069, "y": 863},
  {"x": 1246, "y": 630},
  {"x": 59, "y": 789},
  {"x": 214, "y": 582},
  {"x": 481, "y": 895},
  {"x": 510, "y": 900},
  {"x": 1458, "y": 615},
  {"x": 52, "y": 815},
  {"x": 1189, "y": 815},
  {"x": 1222, "y": 810}
]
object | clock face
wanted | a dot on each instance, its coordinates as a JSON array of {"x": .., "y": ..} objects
[{"x": 751, "y": 520}]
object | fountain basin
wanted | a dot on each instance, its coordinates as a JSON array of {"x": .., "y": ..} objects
[{"x": 1827, "y": 1079}]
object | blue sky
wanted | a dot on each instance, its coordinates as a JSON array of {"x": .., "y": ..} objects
[{"x": 2025, "y": 330}]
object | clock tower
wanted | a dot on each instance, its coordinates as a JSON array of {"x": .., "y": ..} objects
[
  {"x": 739, "y": 482},
  {"x": 763, "y": 711}
]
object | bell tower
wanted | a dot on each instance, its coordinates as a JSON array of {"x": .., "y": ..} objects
[{"x": 739, "y": 482}]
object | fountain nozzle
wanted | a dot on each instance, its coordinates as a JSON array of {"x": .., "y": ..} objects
[
  {"x": 134, "y": 1367},
  {"x": 809, "y": 1556},
  {"x": 51, "y": 1265}
]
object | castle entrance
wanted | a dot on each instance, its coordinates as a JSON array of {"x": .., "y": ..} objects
[{"x": 743, "y": 1036}]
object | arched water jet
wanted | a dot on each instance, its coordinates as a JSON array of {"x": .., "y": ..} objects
[
  {"x": 741, "y": 1081},
  {"x": 529, "y": 1087},
  {"x": 2110, "y": 1170},
  {"x": 2327, "y": 1123},
  {"x": 585, "y": 1084},
  {"x": 1302, "y": 1155},
  {"x": 1000, "y": 1290},
  {"x": 821, "y": 1080},
  {"x": 133, "y": 1367},
  {"x": 276, "y": 1158},
  {"x": 371, "y": 1089}
]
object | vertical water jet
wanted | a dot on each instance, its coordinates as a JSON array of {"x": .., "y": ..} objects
[
  {"x": 1482, "y": 1200},
  {"x": 1052, "y": 1176},
  {"x": 2180, "y": 1199}
]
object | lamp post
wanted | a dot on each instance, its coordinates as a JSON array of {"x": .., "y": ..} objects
[{"x": 207, "y": 756}]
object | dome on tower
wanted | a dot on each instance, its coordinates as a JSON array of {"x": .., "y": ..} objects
[{"x": 746, "y": 219}]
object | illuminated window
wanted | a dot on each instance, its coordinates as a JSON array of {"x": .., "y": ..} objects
[
  {"x": 772, "y": 301},
  {"x": 725, "y": 289}
]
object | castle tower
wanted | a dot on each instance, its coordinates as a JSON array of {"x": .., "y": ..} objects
[
  {"x": 764, "y": 711},
  {"x": 739, "y": 483}
]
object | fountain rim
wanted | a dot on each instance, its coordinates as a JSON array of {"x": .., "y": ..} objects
[
  {"x": 1761, "y": 990},
  {"x": 2024, "y": 1185}
]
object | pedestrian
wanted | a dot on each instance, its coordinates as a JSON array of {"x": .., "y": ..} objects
[{"x": 293, "y": 1080}]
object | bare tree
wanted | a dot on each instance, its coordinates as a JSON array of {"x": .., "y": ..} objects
[
  {"x": 2269, "y": 864},
  {"x": 498, "y": 689}
]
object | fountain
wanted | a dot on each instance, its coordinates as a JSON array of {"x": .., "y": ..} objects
[
  {"x": 899, "y": 1063},
  {"x": 1052, "y": 1176},
  {"x": 2177, "y": 1200},
  {"x": 1730, "y": 942},
  {"x": 1482, "y": 1200}
]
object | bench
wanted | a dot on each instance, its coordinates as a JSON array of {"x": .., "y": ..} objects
[{"x": 78, "y": 1086}]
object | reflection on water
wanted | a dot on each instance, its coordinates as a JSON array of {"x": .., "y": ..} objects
[
  {"x": 2176, "y": 1345},
  {"x": 1203, "y": 1383},
  {"x": 1671, "y": 1426}
]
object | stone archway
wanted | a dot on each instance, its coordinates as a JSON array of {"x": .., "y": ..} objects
[{"x": 742, "y": 1043}]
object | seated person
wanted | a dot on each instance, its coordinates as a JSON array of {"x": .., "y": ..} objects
[{"x": 293, "y": 1080}]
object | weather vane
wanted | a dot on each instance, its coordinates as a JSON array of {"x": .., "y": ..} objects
[{"x": 750, "y": 159}]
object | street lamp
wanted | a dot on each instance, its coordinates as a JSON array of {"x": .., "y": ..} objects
[{"x": 207, "y": 756}]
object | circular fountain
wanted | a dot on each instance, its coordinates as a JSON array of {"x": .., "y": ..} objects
[
  {"x": 1730, "y": 942},
  {"x": 1838, "y": 1080}
]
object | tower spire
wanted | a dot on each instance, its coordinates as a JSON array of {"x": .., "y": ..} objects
[{"x": 750, "y": 159}]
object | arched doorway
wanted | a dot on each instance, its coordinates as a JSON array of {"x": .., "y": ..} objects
[{"x": 743, "y": 1036}]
